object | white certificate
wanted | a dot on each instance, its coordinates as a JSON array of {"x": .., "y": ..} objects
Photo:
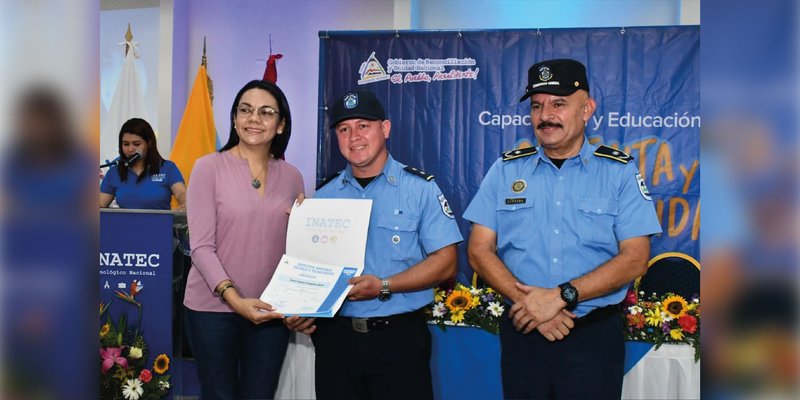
[
  {"x": 308, "y": 289},
  {"x": 330, "y": 231},
  {"x": 325, "y": 246}
]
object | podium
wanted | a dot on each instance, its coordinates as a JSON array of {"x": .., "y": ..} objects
[{"x": 136, "y": 279}]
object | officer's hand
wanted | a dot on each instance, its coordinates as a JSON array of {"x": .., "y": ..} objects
[
  {"x": 300, "y": 324},
  {"x": 558, "y": 327},
  {"x": 538, "y": 305},
  {"x": 365, "y": 287},
  {"x": 254, "y": 310}
]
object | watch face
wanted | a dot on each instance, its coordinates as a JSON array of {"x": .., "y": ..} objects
[
  {"x": 570, "y": 293},
  {"x": 383, "y": 296}
]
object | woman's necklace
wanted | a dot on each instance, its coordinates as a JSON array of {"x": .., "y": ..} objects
[{"x": 257, "y": 183}]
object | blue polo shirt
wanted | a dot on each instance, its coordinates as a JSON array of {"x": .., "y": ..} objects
[
  {"x": 554, "y": 225},
  {"x": 410, "y": 219},
  {"x": 153, "y": 192}
]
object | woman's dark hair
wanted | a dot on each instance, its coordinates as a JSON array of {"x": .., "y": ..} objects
[
  {"x": 153, "y": 159},
  {"x": 280, "y": 142}
]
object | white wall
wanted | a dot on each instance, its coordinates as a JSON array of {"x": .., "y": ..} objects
[{"x": 520, "y": 14}]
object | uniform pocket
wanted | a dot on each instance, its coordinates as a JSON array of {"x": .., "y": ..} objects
[
  {"x": 401, "y": 234},
  {"x": 514, "y": 221},
  {"x": 598, "y": 215}
]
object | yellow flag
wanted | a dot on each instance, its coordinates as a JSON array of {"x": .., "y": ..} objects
[{"x": 196, "y": 133}]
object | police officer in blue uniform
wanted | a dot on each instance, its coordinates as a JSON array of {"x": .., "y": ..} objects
[
  {"x": 561, "y": 230},
  {"x": 378, "y": 346}
]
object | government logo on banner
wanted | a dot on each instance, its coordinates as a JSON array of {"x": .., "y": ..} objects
[
  {"x": 413, "y": 70},
  {"x": 372, "y": 71}
]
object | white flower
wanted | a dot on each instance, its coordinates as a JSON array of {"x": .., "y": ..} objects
[
  {"x": 495, "y": 308},
  {"x": 132, "y": 389},
  {"x": 135, "y": 353},
  {"x": 439, "y": 310},
  {"x": 635, "y": 310},
  {"x": 475, "y": 291},
  {"x": 666, "y": 316},
  {"x": 163, "y": 384}
]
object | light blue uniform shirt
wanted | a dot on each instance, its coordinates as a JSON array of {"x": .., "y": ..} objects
[
  {"x": 554, "y": 225},
  {"x": 410, "y": 219}
]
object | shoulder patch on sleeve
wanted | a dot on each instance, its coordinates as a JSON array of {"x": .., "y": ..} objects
[
  {"x": 328, "y": 179},
  {"x": 418, "y": 172},
  {"x": 612, "y": 153},
  {"x": 517, "y": 153}
]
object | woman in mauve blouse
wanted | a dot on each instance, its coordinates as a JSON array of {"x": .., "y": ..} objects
[{"x": 237, "y": 208}]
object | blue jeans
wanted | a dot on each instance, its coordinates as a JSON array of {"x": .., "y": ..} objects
[{"x": 236, "y": 359}]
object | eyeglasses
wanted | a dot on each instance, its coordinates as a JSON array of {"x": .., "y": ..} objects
[{"x": 266, "y": 113}]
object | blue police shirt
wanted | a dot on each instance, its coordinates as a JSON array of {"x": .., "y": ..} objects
[
  {"x": 410, "y": 219},
  {"x": 153, "y": 192},
  {"x": 554, "y": 225}
]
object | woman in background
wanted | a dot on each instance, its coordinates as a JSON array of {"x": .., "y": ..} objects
[
  {"x": 150, "y": 181},
  {"x": 237, "y": 211}
]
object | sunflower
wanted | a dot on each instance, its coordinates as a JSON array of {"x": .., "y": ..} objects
[
  {"x": 104, "y": 330},
  {"x": 459, "y": 300},
  {"x": 161, "y": 364},
  {"x": 457, "y": 316},
  {"x": 675, "y": 306}
]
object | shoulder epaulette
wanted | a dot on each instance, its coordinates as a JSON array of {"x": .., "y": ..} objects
[
  {"x": 612, "y": 153},
  {"x": 328, "y": 179},
  {"x": 418, "y": 172},
  {"x": 517, "y": 153}
]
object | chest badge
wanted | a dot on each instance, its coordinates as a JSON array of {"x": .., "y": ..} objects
[{"x": 519, "y": 186}]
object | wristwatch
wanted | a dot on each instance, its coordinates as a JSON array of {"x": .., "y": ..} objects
[
  {"x": 569, "y": 294},
  {"x": 385, "y": 293}
]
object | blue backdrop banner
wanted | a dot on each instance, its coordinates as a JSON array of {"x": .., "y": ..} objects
[{"x": 453, "y": 99}]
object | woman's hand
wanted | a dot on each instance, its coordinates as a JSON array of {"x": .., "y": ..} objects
[
  {"x": 254, "y": 310},
  {"x": 299, "y": 201}
]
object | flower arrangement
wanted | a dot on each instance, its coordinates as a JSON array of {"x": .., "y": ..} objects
[
  {"x": 466, "y": 306},
  {"x": 124, "y": 373},
  {"x": 668, "y": 318}
]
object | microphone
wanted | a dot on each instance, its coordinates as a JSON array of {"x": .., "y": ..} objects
[
  {"x": 135, "y": 157},
  {"x": 110, "y": 163}
]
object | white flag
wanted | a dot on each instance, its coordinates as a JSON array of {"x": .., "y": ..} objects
[{"x": 127, "y": 103}]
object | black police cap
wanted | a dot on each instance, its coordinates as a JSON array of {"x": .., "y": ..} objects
[
  {"x": 561, "y": 77},
  {"x": 357, "y": 104}
]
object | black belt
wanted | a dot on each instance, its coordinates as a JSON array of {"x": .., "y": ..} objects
[
  {"x": 364, "y": 325},
  {"x": 598, "y": 314}
]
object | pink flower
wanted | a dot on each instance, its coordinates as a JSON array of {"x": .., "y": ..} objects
[
  {"x": 630, "y": 297},
  {"x": 688, "y": 323},
  {"x": 145, "y": 376},
  {"x": 111, "y": 356}
]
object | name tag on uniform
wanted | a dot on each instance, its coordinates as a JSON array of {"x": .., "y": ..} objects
[{"x": 518, "y": 200}]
